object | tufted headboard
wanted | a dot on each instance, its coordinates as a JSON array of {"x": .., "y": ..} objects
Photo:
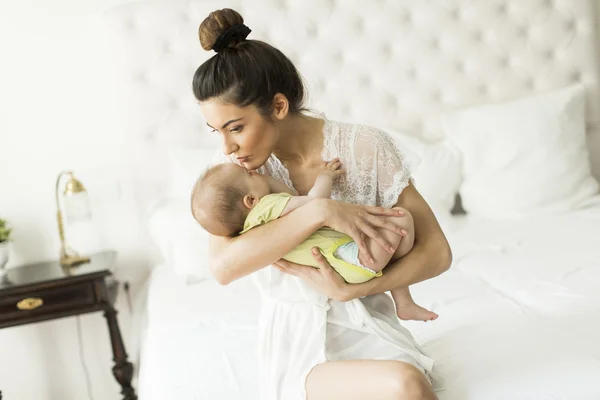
[{"x": 387, "y": 63}]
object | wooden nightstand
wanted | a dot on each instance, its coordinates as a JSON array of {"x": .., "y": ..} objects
[{"x": 45, "y": 291}]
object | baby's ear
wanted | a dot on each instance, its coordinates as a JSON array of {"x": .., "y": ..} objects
[{"x": 250, "y": 201}]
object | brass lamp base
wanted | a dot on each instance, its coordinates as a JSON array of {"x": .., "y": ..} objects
[
  {"x": 68, "y": 257},
  {"x": 73, "y": 261}
]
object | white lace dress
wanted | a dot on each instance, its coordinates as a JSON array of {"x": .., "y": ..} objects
[{"x": 300, "y": 327}]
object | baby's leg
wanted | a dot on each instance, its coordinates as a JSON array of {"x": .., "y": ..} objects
[
  {"x": 408, "y": 240},
  {"x": 406, "y": 309},
  {"x": 402, "y": 244},
  {"x": 380, "y": 255}
]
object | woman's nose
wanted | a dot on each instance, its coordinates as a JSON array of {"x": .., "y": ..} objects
[{"x": 229, "y": 147}]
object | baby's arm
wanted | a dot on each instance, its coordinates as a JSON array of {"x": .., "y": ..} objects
[{"x": 322, "y": 187}]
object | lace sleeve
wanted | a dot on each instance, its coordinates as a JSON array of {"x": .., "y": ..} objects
[{"x": 381, "y": 165}]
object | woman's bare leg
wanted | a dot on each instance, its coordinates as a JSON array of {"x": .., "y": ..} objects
[
  {"x": 368, "y": 379},
  {"x": 406, "y": 308}
]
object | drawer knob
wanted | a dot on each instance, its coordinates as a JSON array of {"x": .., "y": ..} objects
[{"x": 30, "y": 303}]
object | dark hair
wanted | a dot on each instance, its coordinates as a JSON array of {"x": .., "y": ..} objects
[
  {"x": 222, "y": 199},
  {"x": 246, "y": 71}
]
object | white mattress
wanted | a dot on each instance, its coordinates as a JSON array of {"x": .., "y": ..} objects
[
  {"x": 519, "y": 319},
  {"x": 200, "y": 340}
]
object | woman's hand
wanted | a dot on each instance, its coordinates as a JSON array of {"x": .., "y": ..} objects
[
  {"x": 325, "y": 279},
  {"x": 359, "y": 222}
]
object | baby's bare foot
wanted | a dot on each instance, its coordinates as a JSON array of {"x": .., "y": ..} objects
[{"x": 415, "y": 313}]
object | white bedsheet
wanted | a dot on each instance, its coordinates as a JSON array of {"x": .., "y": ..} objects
[
  {"x": 519, "y": 319},
  {"x": 200, "y": 340}
]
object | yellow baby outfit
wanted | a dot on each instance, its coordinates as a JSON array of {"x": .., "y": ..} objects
[{"x": 270, "y": 208}]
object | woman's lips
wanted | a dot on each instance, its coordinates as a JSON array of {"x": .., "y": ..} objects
[{"x": 243, "y": 159}]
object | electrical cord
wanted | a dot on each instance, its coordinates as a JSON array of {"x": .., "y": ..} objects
[
  {"x": 128, "y": 293},
  {"x": 82, "y": 356},
  {"x": 80, "y": 338}
]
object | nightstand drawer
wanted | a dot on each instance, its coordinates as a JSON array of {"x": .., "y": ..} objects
[{"x": 47, "y": 301}]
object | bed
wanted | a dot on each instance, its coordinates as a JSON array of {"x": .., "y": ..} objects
[
  {"x": 519, "y": 308},
  {"x": 517, "y": 319}
]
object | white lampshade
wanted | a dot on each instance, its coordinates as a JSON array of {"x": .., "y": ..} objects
[{"x": 76, "y": 207}]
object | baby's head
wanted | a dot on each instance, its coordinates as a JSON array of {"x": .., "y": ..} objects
[{"x": 223, "y": 197}]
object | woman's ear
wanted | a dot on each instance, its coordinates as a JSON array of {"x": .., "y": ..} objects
[
  {"x": 281, "y": 106},
  {"x": 250, "y": 201}
]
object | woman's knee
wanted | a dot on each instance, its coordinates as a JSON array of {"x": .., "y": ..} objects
[{"x": 407, "y": 382}]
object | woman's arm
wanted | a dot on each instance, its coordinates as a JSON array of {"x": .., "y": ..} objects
[
  {"x": 430, "y": 256},
  {"x": 233, "y": 258}
]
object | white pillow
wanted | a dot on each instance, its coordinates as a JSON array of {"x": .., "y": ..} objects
[
  {"x": 182, "y": 242},
  {"x": 187, "y": 164},
  {"x": 436, "y": 170},
  {"x": 524, "y": 157}
]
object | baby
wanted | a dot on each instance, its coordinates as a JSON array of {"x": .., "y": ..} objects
[{"x": 230, "y": 200}]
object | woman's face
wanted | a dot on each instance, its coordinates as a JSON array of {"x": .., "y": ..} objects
[{"x": 246, "y": 134}]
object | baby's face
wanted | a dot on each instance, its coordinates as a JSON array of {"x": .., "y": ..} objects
[{"x": 256, "y": 184}]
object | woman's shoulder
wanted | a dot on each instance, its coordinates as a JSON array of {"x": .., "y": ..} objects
[
  {"x": 367, "y": 145},
  {"x": 365, "y": 138},
  {"x": 372, "y": 137},
  {"x": 345, "y": 127}
]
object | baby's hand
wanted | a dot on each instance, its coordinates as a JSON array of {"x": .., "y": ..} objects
[{"x": 332, "y": 168}]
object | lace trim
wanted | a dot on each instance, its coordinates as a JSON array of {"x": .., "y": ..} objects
[
  {"x": 275, "y": 168},
  {"x": 390, "y": 196},
  {"x": 330, "y": 142}
]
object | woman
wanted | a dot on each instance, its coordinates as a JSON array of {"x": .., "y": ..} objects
[{"x": 320, "y": 338}]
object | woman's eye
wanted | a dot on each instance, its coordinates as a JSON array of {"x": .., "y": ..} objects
[{"x": 236, "y": 129}]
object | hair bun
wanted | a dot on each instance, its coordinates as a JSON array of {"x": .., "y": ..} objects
[{"x": 216, "y": 24}]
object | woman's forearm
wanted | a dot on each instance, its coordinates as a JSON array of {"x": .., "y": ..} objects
[
  {"x": 233, "y": 258},
  {"x": 430, "y": 256},
  {"x": 423, "y": 262}
]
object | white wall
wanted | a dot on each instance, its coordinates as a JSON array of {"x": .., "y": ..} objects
[{"x": 50, "y": 121}]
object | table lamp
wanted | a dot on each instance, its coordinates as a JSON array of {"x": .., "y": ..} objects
[{"x": 76, "y": 205}]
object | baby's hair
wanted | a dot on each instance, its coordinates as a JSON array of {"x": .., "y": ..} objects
[{"x": 217, "y": 203}]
